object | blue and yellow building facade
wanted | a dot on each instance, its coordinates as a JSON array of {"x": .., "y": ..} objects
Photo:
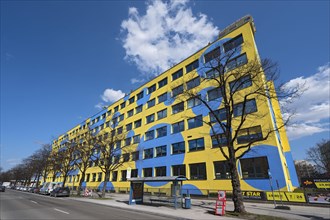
[{"x": 166, "y": 138}]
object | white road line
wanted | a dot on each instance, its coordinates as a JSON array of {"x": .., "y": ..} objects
[
  {"x": 34, "y": 201},
  {"x": 62, "y": 211}
]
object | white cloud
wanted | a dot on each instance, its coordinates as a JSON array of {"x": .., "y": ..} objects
[
  {"x": 312, "y": 108},
  {"x": 135, "y": 80},
  {"x": 110, "y": 95},
  {"x": 167, "y": 33},
  {"x": 13, "y": 161},
  {"x": 100, "y": 105}
]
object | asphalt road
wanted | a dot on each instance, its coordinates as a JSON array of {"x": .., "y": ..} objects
[{"x": 23, "y": 205}]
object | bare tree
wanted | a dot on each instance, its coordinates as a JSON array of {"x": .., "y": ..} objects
[
  {"x": 85, "y": 146},
  {"x": 227, "y": 74},
  {"x": 110, "y": 147},
  {"x": 54, "y": 165},
  {"x": 320, "y": 155},
  {"x": 66, "y": 157},
  {"x": 44, "y": 161}
]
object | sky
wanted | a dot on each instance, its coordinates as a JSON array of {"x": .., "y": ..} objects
[{"x": 62, "y": 61}]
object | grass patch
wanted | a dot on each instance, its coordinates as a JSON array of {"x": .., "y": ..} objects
[{"x": 251, "y": 216}]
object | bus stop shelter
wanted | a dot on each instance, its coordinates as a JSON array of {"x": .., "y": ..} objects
[{"x": 137, "y": 187}]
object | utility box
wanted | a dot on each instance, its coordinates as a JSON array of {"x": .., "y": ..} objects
[{"x": 187, "y": 203}]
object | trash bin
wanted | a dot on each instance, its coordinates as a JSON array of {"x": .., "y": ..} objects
[{"x": 187, "y": 203}]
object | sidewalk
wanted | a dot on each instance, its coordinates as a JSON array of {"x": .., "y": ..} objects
[{"x": 204, "y": 209}]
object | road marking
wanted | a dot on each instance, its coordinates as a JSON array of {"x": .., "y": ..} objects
[
  {"x": 34, "y": 201},
  {"x": 62, "y": 211}
]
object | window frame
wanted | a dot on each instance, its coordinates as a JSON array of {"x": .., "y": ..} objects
[{"x": 194, "y": 144}]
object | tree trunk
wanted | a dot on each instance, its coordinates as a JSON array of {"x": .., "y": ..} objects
[
  {"x": 64, "y": 180},
  {"x": 54, "y": 177},
  {"x": 105, "y": 183},
  {"x": 37, "y": 181},
  {"x": 237, "y": 192},
  {"x": 80, "y": 183}
]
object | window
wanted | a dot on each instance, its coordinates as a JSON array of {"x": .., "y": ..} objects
[
  {"x": 94, "y": 177},
  {"x": 195, "y": 122},
  {"x": 129, "y": 127},
  {"x": 161, "y": 171},
  {"x": 121, "y": 117},
  {"x": 162, "y": 97},
  {"x": 147, "y": 172},
  {"x": 215, "y": 53},
  {"x": 240, "y": 83},
  {"x": 197, "y": 171},
  {"x": 178, "y": 108},
  {"x": 196, "y": 144},
  {"x": 178, "y": 127},
  {"x": 150, "y": 135},
  {"x": 148, "y": 153},
  {"x": 114, "y": 176},
  {"x": 114, "y": 120},
  {"x": 162, "y": 114},
  {"x": 233, "y": 43},
  {"x": 99, "y": 177},
  {"x": 151, "y": 103},
  {"x": 137, "y": 123},
  {"x": 221, "y": 170},
  {"x": 214, "y": 94},
  {"x": 123, "y": 175},
  {"x": 130, "y": 113},
  {"x": 192, "y": 66},
  {"x": 192, "y": 102},
  {"x": 193, "y": 83},
  {"x": 135, "y": 156},
  {"x": 122, "y": 105},
  {"x": 162, "y": 83},
  {"x": 119, "y": 130},
  {"x": 178, "y": 148},
  {"x": 138, "y": 109},
  {"x": 219, "y": 140},
  {"x": 134, "y": 173},
  {"x": 87, "y": 177},
  {"x": 152, "y": 89},
  {"x": 161, "y": 151},
  {"x": 255, "y": 168},
  {"x": 218, "y": 114},
  {"x": 108, "y": 112},
  {"x": 139, "y": 96},
  {"x": 247, "y": 135},
  {"x": 177, "y": 90},
  {"x": 131, "y": 100},
  {"x": 128, "y": 141},
  {"x": 126, "y": 157},
  {"x": 178, "y": 170},
  {"x": 236, "y": 62},
  {"x": 177, "y": 74},
  {"x": 214, "y": 72},
  {"x": 118, "y": 144},
  {"x": 150, "y": 118},
  {"x": 136, "y": 139},
  {"x": 116, "y": 108},
  {"x": 161, "y": 132},
  {"x": 250, "y": 107}
]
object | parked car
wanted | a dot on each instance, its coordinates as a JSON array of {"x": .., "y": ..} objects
[
  {"x": 44, "y": 189},
  {"x": 36, "y": 190},
  {"x": 60, "y": 191},
  {"x": 31, "y": 189},
  {"x": 2, "y": 188}
]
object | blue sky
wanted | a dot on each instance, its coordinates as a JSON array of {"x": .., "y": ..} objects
[{"x": 62, "y": 60}]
